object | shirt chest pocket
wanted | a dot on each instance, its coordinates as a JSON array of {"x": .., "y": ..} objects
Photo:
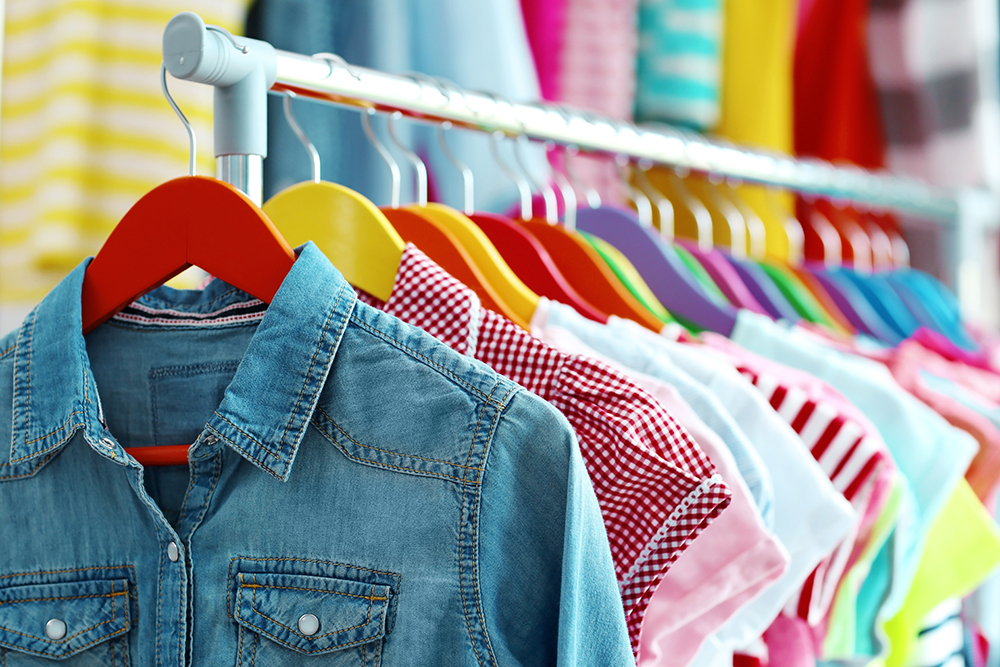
[
  {"x": 80, "y": 624},
  {"x": 293, "y": 619}
]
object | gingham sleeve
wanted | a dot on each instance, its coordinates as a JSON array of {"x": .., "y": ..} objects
[{"x": 656, "y": 488}]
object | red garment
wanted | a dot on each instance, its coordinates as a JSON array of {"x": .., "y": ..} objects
[
  {"x": 836, "y": 112},
  {"x": 656, "y": 488}
]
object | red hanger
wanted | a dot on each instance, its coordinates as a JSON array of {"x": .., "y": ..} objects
[
  {"x": 584, "y": 269},
  {"x": 532, "y": 263},
  {"x": 191, "y": 220}
]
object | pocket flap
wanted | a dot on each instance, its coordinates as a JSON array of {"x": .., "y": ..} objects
[
  {"x": 84, "y": 613},
  {"x": 340, "y": 613}
]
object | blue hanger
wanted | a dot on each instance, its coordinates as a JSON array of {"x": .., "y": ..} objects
[
  {"x": 853, "y": 305},
  {"x": 939, "y": 302},
  {"x": 884, "y": 300}
]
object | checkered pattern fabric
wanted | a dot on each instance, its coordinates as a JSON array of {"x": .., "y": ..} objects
[
  {"x": 852, "y": 456},
  {"x": 656, "y": 488}
]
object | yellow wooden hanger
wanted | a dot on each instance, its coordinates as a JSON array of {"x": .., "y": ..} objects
[
  {"x": 350, "y": 230},
  {"x": 473, "y": 240}
]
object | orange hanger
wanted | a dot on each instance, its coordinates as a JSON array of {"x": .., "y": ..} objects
[
  {"x": 192, "y": 220},
  {"x": 432, "y": 238}
]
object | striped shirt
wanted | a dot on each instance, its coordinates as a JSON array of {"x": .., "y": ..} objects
[{"x": 86, "y": 131}]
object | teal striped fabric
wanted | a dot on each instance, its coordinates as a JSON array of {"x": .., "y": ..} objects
[{"x": 678, "y": 62}]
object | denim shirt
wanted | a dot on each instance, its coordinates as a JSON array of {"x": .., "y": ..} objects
[{"x": 357, "y": 492}]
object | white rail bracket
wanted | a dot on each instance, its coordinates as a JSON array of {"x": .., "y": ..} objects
[{"x": 241, "y": 70}]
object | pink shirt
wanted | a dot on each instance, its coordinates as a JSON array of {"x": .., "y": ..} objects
[{"x": 724, "y": 568}]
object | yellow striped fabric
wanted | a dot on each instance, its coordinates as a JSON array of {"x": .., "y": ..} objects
[{"x": 84, "y": 128}]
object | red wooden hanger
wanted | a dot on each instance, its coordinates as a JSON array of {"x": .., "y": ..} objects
[{"x": 192, "y": 220}]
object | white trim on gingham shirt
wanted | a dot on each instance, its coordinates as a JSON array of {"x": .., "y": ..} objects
[{"x": 657, "y": 490}]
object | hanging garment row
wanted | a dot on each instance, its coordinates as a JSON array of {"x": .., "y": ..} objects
[{"x": 432, "y": 436}]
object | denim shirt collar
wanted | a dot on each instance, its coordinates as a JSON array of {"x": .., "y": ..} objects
[{"x": 265, "y": 410}]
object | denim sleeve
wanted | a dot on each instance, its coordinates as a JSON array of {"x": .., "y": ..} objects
[{"x": 553, "y": 598}]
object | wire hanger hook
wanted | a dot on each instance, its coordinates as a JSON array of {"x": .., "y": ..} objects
[
  {"x": 390, "y": 161},
  {"x": 192, "y": 139},
  {"x": 300, "y": 133},
  {"x": 242, "y": 48},
  {"x": 418, "y": 164},
  {"x": 334, "y": 58}
]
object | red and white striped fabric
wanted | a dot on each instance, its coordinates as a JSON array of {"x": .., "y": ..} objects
[
  {"x": 656, "y": 488},
  {"x": 851, "y": 454}
]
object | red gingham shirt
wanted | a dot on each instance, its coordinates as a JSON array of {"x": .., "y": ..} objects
[{"x": 657, "y": 490}]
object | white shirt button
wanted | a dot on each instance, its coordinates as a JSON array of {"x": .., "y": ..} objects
[
  {"x": 173, "y": 553},
  {"x": 55, "y": 629},
  {"x": 308, "y": 624}
]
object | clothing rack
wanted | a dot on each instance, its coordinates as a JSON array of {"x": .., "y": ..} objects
[{"x": 194, "y": 51}]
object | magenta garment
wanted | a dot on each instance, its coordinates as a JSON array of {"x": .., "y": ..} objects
[
  {"x": 790, "y": 643},
  {"x": 545, "y": 23},
  {"x": 940, "y": 344},
  {"x": 724, "y": 568}
]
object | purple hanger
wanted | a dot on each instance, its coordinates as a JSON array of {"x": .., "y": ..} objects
[
  {"x": 763, "y": 287},
  {"x": 724, "y": 276},
  {"x": 659, "y": 265}
]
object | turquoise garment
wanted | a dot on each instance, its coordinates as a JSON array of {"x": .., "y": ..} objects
[
  {"x": 678, "y": 64},
  {"x": 931, "y": 454}
]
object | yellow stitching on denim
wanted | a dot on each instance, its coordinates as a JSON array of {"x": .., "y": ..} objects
[
  {"x": 239, "y": 648},
  {"x": 74, "y": 597},
  {"x": 81, "y": 569},
  {"x": 472, "y": 444},
  {"x": 318, "y": 650},
  {"x": 427, "y": 360},
  {"x": 232, "y": 561},
  {"x": 159, "y": 601},
  {"x": 246, "y": 435},
  {"x": 253, "y": 656},
  {"x": 380, "y": 464},
  {"x": 30, "y": 472},
  {"x": 364, "y": 658},
  {"x": 253, "y": 607},
  {"x": 77, "y": 412},
  {"x": 312, "y": 362},
  {"x": 77, "y": 634},
  {"x": 50, "y": 448},
  {"x": 62, "y": 655},
  {"x": 315, "y": 590},
  {"x": 388, "y": 451},
  {"x": 475, "y": 542},
  {"x": 251, "y": 456},
  {"x": 461, "y": 532},
  {"x": 27, "y": 400},
  {"x": 9, "y": 349},
  {"x": 125, "y": 650}
]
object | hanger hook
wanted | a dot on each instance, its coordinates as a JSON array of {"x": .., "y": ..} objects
[
  {"x": 663, "y": 205},
  {"x": 591, "y": 194},
  {"x": 644, "y": 208},
  {"x": 334, "y": 58},
  {"x": 297, "y": 129},
  {"x": 566, "y": 189},
  {"x": 192, "y": 140},
  {"x": 523, "y": 187},
  {"x": 418, "y": 164},
  {"x": 548, "y": 193},
  {"x": 390, "y": 161},
  {"x": 242, "y": 48},
  {"x": 468, "y": 182}
]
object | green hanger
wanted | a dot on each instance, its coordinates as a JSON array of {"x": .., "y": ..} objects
[
  {"x": 797, "y": 294},
  {"x": 629, "y": 277}
]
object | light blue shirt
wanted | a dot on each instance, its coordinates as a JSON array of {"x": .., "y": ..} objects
[
  {"x": 931, "y": 454},
  {"x": 358, "y": 493}
]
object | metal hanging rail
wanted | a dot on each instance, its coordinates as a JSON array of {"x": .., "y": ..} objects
[
  {"x": 212, "y": 54},
  {"x": 321, "y": 79}
]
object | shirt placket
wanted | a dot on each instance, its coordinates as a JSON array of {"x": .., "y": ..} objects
[{"x": 175, "y": 571}]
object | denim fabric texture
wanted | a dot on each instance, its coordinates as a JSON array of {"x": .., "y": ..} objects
[{"x": 357, "y": 492}]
